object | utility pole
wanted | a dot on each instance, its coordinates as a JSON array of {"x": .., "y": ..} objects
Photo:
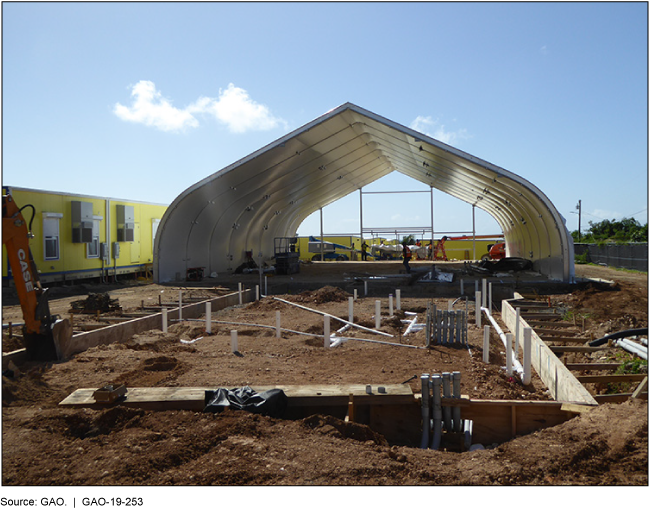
[{"x": 579, "y": 208}]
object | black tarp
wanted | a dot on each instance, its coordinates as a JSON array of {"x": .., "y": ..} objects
[
  {"x": 506, "y": 264},
  {"x": 269, "y": 403}
]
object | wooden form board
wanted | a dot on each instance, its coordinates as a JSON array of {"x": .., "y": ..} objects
[
  {"x": 558, "y": 379},
  {"x": 395, "y": 414},
  {"x": 497, "y": 421},
  {"x": 193, "y": 398},
  {"x": 125, "y": 330}
]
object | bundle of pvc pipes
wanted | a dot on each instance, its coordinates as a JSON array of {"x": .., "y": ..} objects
[
  {"x": 434, "y": 415},
  {"x": 448, "y": 327},
  {"x": 633, "y": 348}
]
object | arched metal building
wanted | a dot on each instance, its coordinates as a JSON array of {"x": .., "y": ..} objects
[{"x": 268, "y": 194}]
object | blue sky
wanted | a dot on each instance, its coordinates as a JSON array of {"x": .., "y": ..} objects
[{"x": 142, "y": 100}]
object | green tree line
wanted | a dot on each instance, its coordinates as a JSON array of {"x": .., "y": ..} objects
[{"x": 627, "y": 230}]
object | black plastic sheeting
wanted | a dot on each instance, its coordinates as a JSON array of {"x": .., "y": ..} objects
[
  {"x": 506, "y": 264},
  {"x": 271, "y": 403}
]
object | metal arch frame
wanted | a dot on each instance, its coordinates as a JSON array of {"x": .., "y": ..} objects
[{"x": 327, "y": 159}]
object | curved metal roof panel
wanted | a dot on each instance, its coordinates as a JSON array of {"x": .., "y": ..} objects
[{"x": 268, "y": 194}]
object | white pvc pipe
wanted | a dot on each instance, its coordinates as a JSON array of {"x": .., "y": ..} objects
[
  {"x": 164, "y": 320},
  {"x": 390, "y": 305},
  {"x": 233, "y": 341},
  {"x": 334, "y": 317},
  {"x": 208, "y": 317},
  {"x": 456, "y": 394},
  {"x": 191, "y": 341},
  {"x": 446, "y": 392},
  {"x": 502, "y": 336},
  {"x": 490, "y": 297},
  {"x": 509, "y": 353},
  {"x": 477, "y": 312},
  {"x": 426, "y": 413},
  {"x": 278, "y": 329},
  {"x": 517, "y": 339},
  {"x": 239, "y": 291},
  {"x": 484, "y": 293},
  {"x": 436, "y": 381},
  {"x": 180, "y": 305},
  {"x": 351, "y": 309},
  {"x": 326, "y": 331},
  {"x": 377, "y": 314},
  {"x": 342, "y": 339},
  {"x": 266, "y": 285},
  {"x": 527, "y": 356},
  {"x": 486, "y": 344},
  {"x": 355, "y": 294},
  {"x": 462, "y": 287},
  {"x": 632, "y": 347},
  {"x": 411, "y": 325},
  {"x": 468, "y": 427},
  {"x": 398, "y": 299},
  {"x": 365, "y": 287},
  {"x": 257, "y": 292}
]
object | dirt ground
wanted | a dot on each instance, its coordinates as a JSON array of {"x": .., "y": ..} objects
[{"x": 44, "y": 444}]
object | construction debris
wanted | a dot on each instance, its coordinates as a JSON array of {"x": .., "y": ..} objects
[{"x": 95, "y": 303}]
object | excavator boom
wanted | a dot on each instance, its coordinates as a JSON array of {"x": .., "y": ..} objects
[{"x": 39, "y": 324}]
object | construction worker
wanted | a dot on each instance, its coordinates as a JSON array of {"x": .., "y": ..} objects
[
  {"x": 364, "y": 251},
  {"x": 406, "y": 253}
]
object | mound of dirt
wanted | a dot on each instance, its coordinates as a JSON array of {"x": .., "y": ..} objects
[{"x": 327, "y": 294}]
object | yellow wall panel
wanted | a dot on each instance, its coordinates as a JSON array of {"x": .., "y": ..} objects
[{"x": 74, "y": 260}]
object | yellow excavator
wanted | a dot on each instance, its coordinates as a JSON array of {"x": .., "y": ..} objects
[{"x": 42, "y": 332}]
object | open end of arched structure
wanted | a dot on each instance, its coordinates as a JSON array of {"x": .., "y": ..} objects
[{"x": 268, "y": 194}]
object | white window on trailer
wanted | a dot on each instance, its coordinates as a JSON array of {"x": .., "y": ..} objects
[
  {"x": 154, "y": 228},
  {"x": 51, "y": 239},
  {"x": 92, "y": 248}
]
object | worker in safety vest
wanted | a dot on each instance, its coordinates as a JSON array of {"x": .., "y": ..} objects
[
  {"x": 406, "y": 253},
  {"x": 364, "y": 251}
]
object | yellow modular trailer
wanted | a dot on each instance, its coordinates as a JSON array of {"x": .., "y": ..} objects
[
  {"x": 80, "y": 236},
  {"x": 349, "y": 248},
  {"x": 334, "y": 248}
]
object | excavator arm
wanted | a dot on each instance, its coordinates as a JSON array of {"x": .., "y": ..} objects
[{"x": 39, "y": 329}]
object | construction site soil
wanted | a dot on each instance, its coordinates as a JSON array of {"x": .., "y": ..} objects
[{"x": 46, "y": 444}]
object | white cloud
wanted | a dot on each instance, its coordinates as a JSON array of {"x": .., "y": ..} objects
[
  {"x": 233, "y": 107},
  {"x": 237, "y": 110},
  {"x": 151, "y": 109},
  {"x": 434, "y": 129}
]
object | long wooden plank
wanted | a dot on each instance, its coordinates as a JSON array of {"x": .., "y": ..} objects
[
  {"x": 612, "y": 398},
  {"x": 550, "y": 332},
  {"x": 564, "y": 339},
  {"x": 540, "y": 316},
  {"x": 576, "y": 348},
  {"x": 641, "y": 388},
  {"x": 497, "y": 421},
  {"x": 551, "y": 324},
  {"x": 592, "y": 366},
  {"x": 192, "y": 398},
  {"x": 613, "y": 378}
]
